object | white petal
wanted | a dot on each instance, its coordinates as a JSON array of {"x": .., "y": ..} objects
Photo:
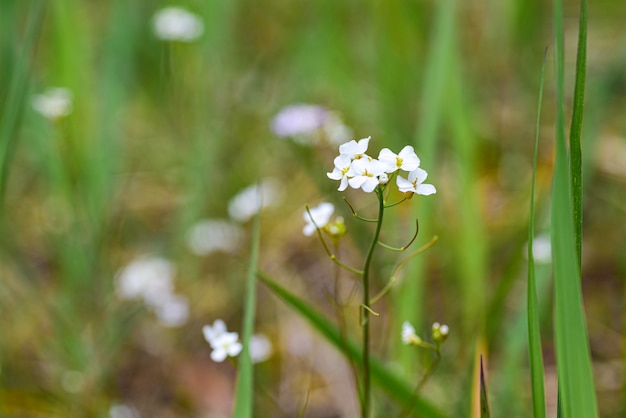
[
  {"x": 234, "y": 349},
  {"x": 308, "y": 229},
  {"x": 418, "y": 174},
  {"x": 357, "y": 182},
  {"x": 343, "y": 185},
  {"x": 404, "y": 185},
  {"x": 370, "y": 184},
  {"x": 425, "y": 189},
  {"x": 218, "y": 355}
]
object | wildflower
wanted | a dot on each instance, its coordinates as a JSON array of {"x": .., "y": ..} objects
[
  {"x": 54, "y": 103},
  {"x": 355, "y": 150},
  {"x": 298, "y": 120},
  {"x": 414, "y": 184},
  {"x": 224, "y": 343},
  {"x": 260, "y": 348},
  {"x": 319, "y": 215},
  {"x": 173, "y": 311},
  {"x": 210, "y": 235},
  {"x": 147, "y": 278},
  {"x": 177, "y": 24},
  {"x": 252, "y": 199},
  {"x": 406, "y": 160},
  {"x": 340, "y": 172},
  {"x": 440, "y": 332},
  {"x": 364, "y": 174},
  {"x": 408, "y": 334},
  {"x": 542, "y": 249}
]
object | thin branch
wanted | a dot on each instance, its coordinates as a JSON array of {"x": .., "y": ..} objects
[
  {"x": 402, "y": 249},
  {"x": 359, "y": 217}
]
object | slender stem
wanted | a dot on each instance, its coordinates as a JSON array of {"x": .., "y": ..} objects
[{"x": 366, "y": 405}]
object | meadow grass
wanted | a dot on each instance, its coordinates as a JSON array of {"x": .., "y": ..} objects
[{"x": 162, "y": 134}]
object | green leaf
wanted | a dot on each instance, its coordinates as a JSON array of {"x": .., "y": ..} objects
[
  {"x": 484, "y": 403},
  {"x": 534, "y": 333},
  {"x": 578, "y": 398},
  {"x": 245, "y": 379},
  {"x": 396, "y": 387}
]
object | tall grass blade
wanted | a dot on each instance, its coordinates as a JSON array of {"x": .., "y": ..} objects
[
  {"x": 484, "y": 402},
  {"x": 576, "y": 128},
  {"x": 245, "y": 379},
  {"x": 395, "y": 387},
  {"x": 18, "y": 88},
  {"x": 534, "y": 333},
  {"x": 576, "y": 387}
]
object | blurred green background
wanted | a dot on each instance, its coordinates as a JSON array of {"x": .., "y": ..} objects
[{"x": 162, "y": 134}]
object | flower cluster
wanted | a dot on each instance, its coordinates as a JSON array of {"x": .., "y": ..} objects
[
  {"x": 310, "y": 124},
  {"x": 354, "y": 168},
  {"x": 439, "y": 335},
  {"x": 226, "y": 344}
]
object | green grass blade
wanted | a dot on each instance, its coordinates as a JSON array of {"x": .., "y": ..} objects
[
  {"x": 396, "y": 387},
  {"x": 18, "y": 89},
  {"x": 484, "y": 402},
  {"x": 576, "y": 128},
  {"x": 576, "y": 386},
  {"x": 534, "y": 333},
  {"x": 245, "y": 380}
]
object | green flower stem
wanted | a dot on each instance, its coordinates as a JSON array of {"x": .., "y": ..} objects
[{"x": 366, "y": 402}]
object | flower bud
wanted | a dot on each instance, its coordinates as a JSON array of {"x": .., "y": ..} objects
[
  {"x": 337, "y": 228},
  {"x": 440, "y": 332}
]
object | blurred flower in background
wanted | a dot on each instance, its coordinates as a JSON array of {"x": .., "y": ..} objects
[
  {"x": 260, "y": 348},
  {"x": 542, "y": 249},
  {"x": 54, "y": 103},
  {"x": 319, "y": 216},
  {"x": 252, "y": 199},
  {"x": 305, "y": 122},
  {"x": 177, "y": 24},
  {"x": 223, "y": 343},
  {"x": 152, "y": 279},
  {"x": 211, "y": 235}
]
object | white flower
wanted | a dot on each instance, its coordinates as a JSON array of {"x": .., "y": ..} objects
[
  {"x": 340, "y": 172},
  {"x": 211, "y": 333},
  {"x": 252, "y": 199},
  {"x": 542, "y": 249},
  {"x": 414, "y": 184},
  {"x": 173, "y": 311},
  {"x": 147, "y": 278},
  {"x": 298, "y": 120},
  {"x": 355, "y": 150},
  {"x": 406, "y": 160},
  {"x": 54, "y": 103},
  {"x": 177, "y": 24},
  {"x": 227, "y": 344},
  {"x": 320, "y": 216},
  {"x": 122, "y": 411},
  {"x": 408, "y": 333},
  {"x": 210, "y": 235},
  {"x": 364, "y": 174},
  {"x": 260, "y": 348}
]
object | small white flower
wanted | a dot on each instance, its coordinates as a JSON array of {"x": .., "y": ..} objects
[
  {"x": 408, "y": 333},
  {"x": 173, "y": 311},
  {"x": 54, "y": 103},
  {"x": 444, "y": 330},
  {"x": 252, "y": 199},
  {"x": 320, "y": 216},
  {"x": 147, "y": 278},
  {"x": 210, "y": 235},
  {"x": 298, "y": 120},
  {"x": 406, "y": 160},
  {"x": 414, "y": 184},
  {"x": 355, "y": 150},
  {"x": 177, "y": 24},
  {"x": 340, "y": 172},
  {"x": 227, "y": 344},
  {"x": 260, "y": 348},
  {"x": 212, "y": 332},
  {"x": 364, "y": 174},
  {"x": 542, "y": 249},
  {"x": 383, "y": 178}
]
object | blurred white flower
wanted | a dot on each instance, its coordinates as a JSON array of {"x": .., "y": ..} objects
[
  {"x": 177, "y": 24},
  {"x": 222, "y": 342},
  {"x": 320, "y": 216},
  {"x": 414, "y": 184},
  {"x": 364, "y": 174},
  {"x": 406, "y": 160},
  {"x": 298, "y": 120},
  {"x": 440, "y": 332},
  {"x": 260, "y": 348},
  {"x": 150, "y": 279},
  {"x": 211, "y": 235},
  {"x": 408, "y": 333},
  {"x": 336, "y": 131},
  {"x": 54, "y": 103},
  {"x": 253, "y": 198},
  {"x": 542, "y": 249},
  {"x": 172, "y": 311},
  {"x": 122, "y": 411}
]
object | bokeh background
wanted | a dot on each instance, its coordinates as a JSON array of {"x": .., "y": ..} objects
[{"x": 136, "y": 177}]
